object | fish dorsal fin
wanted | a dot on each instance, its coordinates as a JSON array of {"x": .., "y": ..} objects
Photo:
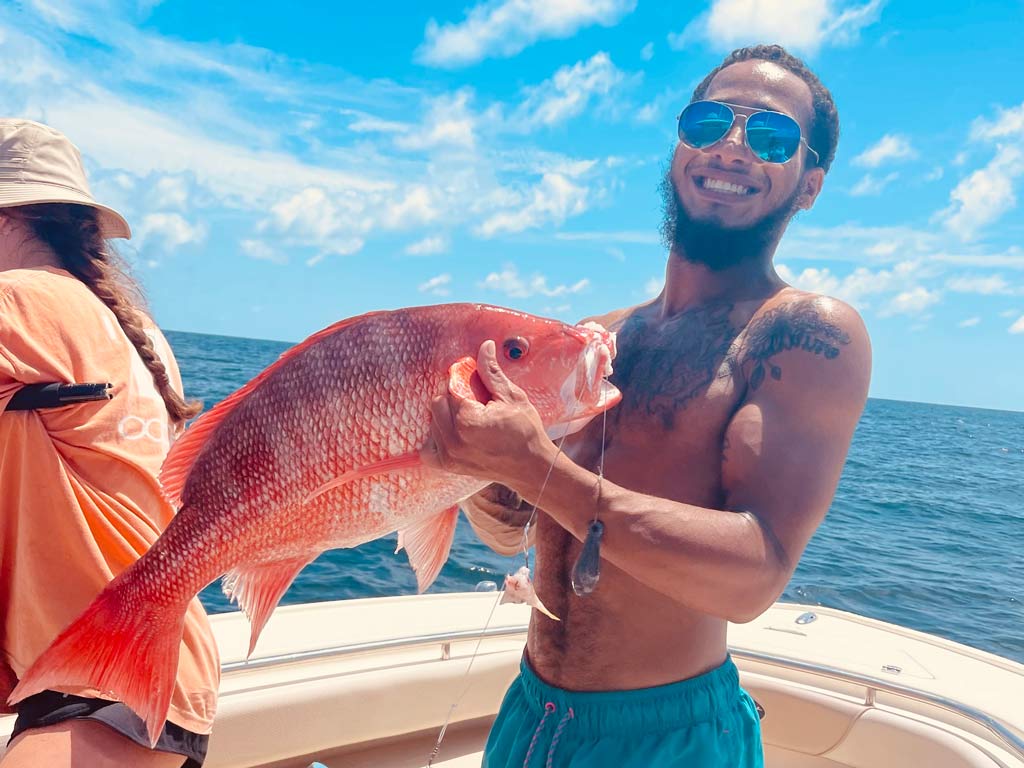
[
  {"x": 427, "y": 542},
  {"x": 394, "y": 464},
  {"x": 258, "y": 588},
  {"x": 187, "y": 448}
]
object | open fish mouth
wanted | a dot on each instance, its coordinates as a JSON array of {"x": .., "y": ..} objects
[{"x": 587, "y": 392}]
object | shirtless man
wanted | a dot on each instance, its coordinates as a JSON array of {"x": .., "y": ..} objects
[{"x": 740, "y": 398}]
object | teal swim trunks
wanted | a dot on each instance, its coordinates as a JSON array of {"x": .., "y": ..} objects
[{"x": 704, "y": 722}]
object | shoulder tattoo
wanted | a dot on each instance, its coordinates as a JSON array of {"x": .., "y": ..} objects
[{"x": 798, "y": 325}]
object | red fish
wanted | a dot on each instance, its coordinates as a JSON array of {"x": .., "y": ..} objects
[{"x": 320, "y": 451}]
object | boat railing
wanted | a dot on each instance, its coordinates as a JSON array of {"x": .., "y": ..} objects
[
  {"x": 873, "y": 686},
  {"x": 444, "y": 640}
]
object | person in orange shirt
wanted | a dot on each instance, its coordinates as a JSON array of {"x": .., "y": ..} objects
[{"x": 79, "y": 495}]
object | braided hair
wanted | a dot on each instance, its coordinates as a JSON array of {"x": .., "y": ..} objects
[{"x": 73, "y": 233}]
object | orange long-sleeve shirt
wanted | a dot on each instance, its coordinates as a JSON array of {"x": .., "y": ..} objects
[{"x": 79, "y": 496}]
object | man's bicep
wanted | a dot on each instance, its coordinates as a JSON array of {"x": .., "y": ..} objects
[{"x": 787, "y": 443}]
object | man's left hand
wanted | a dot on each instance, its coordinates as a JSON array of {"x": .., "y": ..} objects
[{"x": 502, "y": 440}]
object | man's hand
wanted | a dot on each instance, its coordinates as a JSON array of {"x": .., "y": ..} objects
[
  {"x": 499, "y": 518},
  {"x": 502, "y": 441}
]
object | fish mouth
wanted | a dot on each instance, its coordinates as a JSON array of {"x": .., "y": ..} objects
[{"x": 587, "y": 392}]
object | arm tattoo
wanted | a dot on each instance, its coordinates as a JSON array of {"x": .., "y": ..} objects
[{"x": 796, "y": 325}]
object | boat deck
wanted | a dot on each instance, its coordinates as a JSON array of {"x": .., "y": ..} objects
[{"x": 369, "y": 682}]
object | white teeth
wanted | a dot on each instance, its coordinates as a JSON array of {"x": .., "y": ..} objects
[{"x": 725, "y": 186}]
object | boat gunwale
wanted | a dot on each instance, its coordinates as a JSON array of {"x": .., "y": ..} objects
[{"x": 998, "y": 728}]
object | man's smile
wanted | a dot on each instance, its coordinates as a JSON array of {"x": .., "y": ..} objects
[{"x": 722, "y": 186}]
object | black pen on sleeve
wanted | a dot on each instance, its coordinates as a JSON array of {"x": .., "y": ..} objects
[{"x": 35, "y": 396}]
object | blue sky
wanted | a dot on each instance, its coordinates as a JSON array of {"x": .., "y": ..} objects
[{"x": 286, "y": 165}]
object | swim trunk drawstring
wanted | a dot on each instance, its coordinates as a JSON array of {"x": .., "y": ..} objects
[
  {"x": 558, "y": 732},
  {"x": 548, "y": 709}
]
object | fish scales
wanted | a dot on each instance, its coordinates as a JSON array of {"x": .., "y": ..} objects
[{"x": 319, "y": 451}]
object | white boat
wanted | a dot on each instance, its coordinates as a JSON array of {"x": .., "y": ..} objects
[{"x": 361, "y": 683}]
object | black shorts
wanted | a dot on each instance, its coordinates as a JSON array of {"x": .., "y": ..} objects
[{"x": 52, "y": 707}]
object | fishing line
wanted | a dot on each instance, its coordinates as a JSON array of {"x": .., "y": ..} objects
[
  {"x": 586, "y": 573},
  {"x": 487, "y": 624},
  {"x": 533, "y": 514},
  {"x": 526, "y": 555},
  {"x": 465, "y": 677}
]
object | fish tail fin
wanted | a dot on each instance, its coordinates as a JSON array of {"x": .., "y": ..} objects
[{"x": 125, "y": 648}]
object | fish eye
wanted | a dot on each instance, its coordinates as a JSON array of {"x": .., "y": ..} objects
[{"x": 516, "y": 349}]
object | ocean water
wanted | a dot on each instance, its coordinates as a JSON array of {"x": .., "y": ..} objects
[{"x": 926, "y": 530}]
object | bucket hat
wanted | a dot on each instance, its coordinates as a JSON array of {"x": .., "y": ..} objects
[{"x": 40, "y": 165}]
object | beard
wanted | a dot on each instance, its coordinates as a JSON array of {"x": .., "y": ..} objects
[{"x": 704, "y": 241}]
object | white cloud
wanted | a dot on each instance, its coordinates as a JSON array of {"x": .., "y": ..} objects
[
  {"x": 969, "y": 322},
  {"x": 912, "y": 302},
  {"x": 258, "y": 249},
  {"x": 311, "y": 218},
  {"x": 428, "y": 246},
  {"x": 985, "y": 195},
  {"x": 987, "y": 285},
  {"x": 854, "y": 242},
  {"x": 512, "y": 284},
  {"x": 647, "y": 52},
  {"x": 437, "y": 285},
  {"x": 665, "y": 106},
  {"x": 293, "y": 154},
  {"x": 890, "y": 147},
  {"x": 171, "y": 192},
  {"x": 1018, "y": 326},
  {"x": 870, "y": 185},
  {"x": 364, "y": 123},
  {"x": 653, "y": 286},
  {"x": 502, "y": 28},
  {"x": 309, "y": 215},
  {"x": 803, "y": 25},
  {"x": 1009, "y": 313},
  {"x": 417, "y": 207},
  {"x": 812, "y": 279},
  {"x": 935, "y": 174},
  {"x": 1009, "y": 123},
  {"x": 567, "y": 93},
  {"x": 168, "y": 231},
  {"x": 553, "y": 200},
  {"x": 883, "y": 248},
  {"x": 144, "y": 141},
  {"x": 449, "y": 123},
  {"x": 857, "y": 287}
]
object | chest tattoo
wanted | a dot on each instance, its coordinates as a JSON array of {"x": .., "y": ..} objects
[{"x": 662, "y": 366}]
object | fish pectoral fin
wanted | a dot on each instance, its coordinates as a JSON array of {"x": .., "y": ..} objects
[
  {"x": 465, "y": 383},
  {"x": 428, "y": 542},
  {"x": 258, "y": 589},
  {"x": 394, "y": 464}
]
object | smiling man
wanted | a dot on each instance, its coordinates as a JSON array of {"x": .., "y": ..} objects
[{"x": 740, "y": 398}]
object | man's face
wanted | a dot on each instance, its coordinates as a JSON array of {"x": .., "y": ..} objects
[
  {"x": 742, "y": 223},
  {"x": 759, "y": 85}
]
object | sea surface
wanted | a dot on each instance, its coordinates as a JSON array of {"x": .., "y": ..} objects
[{"x": 926, "y": 530}]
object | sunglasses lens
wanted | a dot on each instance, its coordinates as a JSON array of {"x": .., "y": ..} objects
[
  {"x": 773, "y": 137},
  {"x": 703, "y": 123}
]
